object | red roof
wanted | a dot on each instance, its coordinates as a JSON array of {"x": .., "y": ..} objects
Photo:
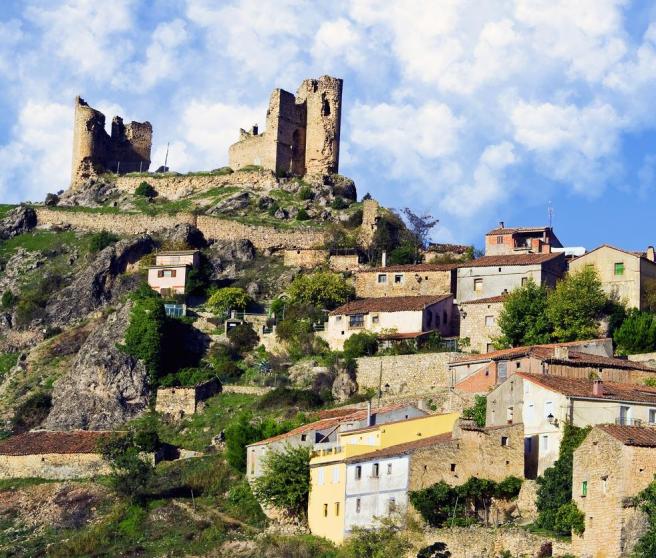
[
  {"x": 389, "y": 304},
  {"x": 412, "y": 267},
  {"x": 510, "y": 230},
  {"x": 512, "y": 259},
  {"x": 489, "y": 300},
  {"x": 400, "y": 449},
  {"x": 44, "y": 442},
  {"x": 631, "y": 435},
  {"x": 582, "y": 388}
]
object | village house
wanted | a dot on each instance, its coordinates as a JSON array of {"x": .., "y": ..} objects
[
  {"x": 479, "y": 323},
  {"x": 395, "y": 318},
  {"x": 576, "y": 359},
  {"x": 626, "y": 276},
  {"x": 406, "y": 280},
  {"x": 179, "y": 402},
  {"x": 169, "y": 274},
  {"x": 53, "y": 455},
  {"x": 612, "y": 465},
  {"x": 492, "y": 276},
  {"x": 545, "y": 403},
  {"x": 328, "y": 467},
  {"x": 520, "y": 240},
  {"x": 324, "y": 432}
]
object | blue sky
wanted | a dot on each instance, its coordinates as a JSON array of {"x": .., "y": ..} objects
[{"x": 473, "y": 111}]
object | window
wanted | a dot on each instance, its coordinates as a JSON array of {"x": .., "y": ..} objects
[
  {"x": 320, "y": 476},
  {"x": 625, "y": 413},
  {"x": 604, "y": 484},
  {"x": 357, "y": 505},
  {"x": 584, "y": 489},
  {"x": 374, "y": 470},
  {"x": 619, "y": 268},
  {"x": 336, "y": 508},
  {"x": 545, "y": 442},
  {"x": 478, "y": 285},
  {"x": 524, "y": 281},
  {"x": 335, "y": 474},
  {"x": 499, "y": 239},
  {"x": 652, "y": 416},
  {"x": 358, "y": 472},
  {"x": 489, "y": 321},
  {"x": 166, "y": 273},
  {"x": 504, "y": 441},
  {"x": 338, "y": 318},
  {"x": 356, "y": 320},
  {"x": 389, "y": 468},
  {"x": 325, "y": 510},
  {"x": 453, "y": 467},
  {"x": 528, "y": 445},
  {"x": 382, "y": 278},
  {"x": 398, "y": 278},
  {"x": 375, "y": 318},
  {"x": 303, "y": 437}
]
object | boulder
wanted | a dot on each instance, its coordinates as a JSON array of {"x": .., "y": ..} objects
[
  {"x": 232, "y": 203},
  {"x": 184, "y": 235},
  {"x": 224, "y": 255},
  {"x": 18, "y": 221},
  {"x": 341, "y": 186},
  {"x": 265, "y": 202},
  {"x": 51, "y": 199},
  {"x": 281, "y": 213},
  {"x": 344, "y": 386},
  {"x": 104, "y": 387},
  {"x": 92, "y": 193}
]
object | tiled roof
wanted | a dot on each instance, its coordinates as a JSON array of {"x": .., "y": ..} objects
[
  {"x": 411, "y": 267},
  {"x": 44, "y": 442},
  {"x": 489, "y": 300},
  {"x": 584, "y": 359},
  {"x": 512, "y": 259},
  {"x": 631, "y": 435},
  {"x": 510, "y": 230},
  {"x": 330, "y": 422},
  {"x": 578, "y": 388},
  {"x": 400, "y": 449},
  {"x": 389, "y": 304},
  {"x": 333, "y": 413},
  {"x": 401, "y": 336}
]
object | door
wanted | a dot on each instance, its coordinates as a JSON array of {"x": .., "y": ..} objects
[{"x": 502, "y": 372}]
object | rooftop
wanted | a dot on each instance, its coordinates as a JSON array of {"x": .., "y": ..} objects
[
  {"x": 582, "y": 388},
  {"x": 631, "y": 435},
  {"x": 176, "y": 252},
  {"x": 45, "y": 442},
  {"x": 411, "y": 267},
  {"x": 512, "y": 259},
  {"x": 389, "y": 304},
  {"x": 510, "y": 230},
  {"x": 489, "y": 300},
  {"x": 400, "y": 449}
]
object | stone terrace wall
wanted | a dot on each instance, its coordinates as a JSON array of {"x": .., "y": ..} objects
[
  {"x": 53, "y": 466},
  {"x": 405, "y": 374},
  {"x": 176, "y": 402},
  {"x": 305, "y": 258},
  {"x": 213, "y": 228}
]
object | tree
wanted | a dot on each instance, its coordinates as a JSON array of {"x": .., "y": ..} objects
[
  {"x": 101, "y": 240},
  {"x": 420, "y": 225},
  {"x": 243, "y": 338},
  {"x": 637, "y": 334},
  {"x": 646, "y": 547},
  {"x": 477, "y": 411},
  {"x": 145, "y": 190},
  {"x": 285, "y": 480},
  {"x": 404, "y": 254},
  {"x": 228, "y": 298},
  {"x": 384, "y": 541},
  {"x": 523, "y": 319},
  {"x": 576, "y": 305},
  {"x": 555, "y": 486},
  {"x": 361, "y": 344},
  {"x": 322, "y": 289}
]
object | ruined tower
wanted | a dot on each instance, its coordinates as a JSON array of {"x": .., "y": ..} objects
[
  {"x": 302, "y": 131},
  {"x": 127, "y": 149}
]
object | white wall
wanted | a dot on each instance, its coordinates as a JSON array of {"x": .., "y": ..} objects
[{"x": 176, "y": 284}]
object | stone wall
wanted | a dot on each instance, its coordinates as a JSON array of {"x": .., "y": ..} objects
[
  {"x": 344, "y": 262},
  {"x": 412, "y": 283},
  {"x": 367, "y": 232},
  {"x": 179, "y": 402},
  {"x": 305, "y": 258},
  {"x": 474, "y": 324},
  {"x": 53, "y": 466},
  {"x": 405, "y": 374},
  {"x": 246, "y": 390}
]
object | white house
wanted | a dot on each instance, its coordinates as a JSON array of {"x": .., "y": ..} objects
[
  {"x": 545, "y": 403},
  {"x": 169, "y": 274},
  {"x": 395, "y": 316}
]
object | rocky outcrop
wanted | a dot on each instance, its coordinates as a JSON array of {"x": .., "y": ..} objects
[
  {"x": 225, "y": 255},
  {"x": 183, "y": 236},
  {"x": 92, "y": 193},
  {"x": 104, "y": 387},
  {"x": 344, "y": 386},
  {"x": 18, "y": 221},
  {"x": 100, "y": 282},
  {"x": 232, "y": 203}
]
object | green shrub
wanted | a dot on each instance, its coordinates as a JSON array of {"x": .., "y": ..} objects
[
  {"x": 339, "y": 203},
  {"x": 385, "y": 541},
  {"x": 243, "y": 338},
  {"x": 477, "y": 411},
  {"x": 9, "y": 299},
  {"x": 250, "y": 168},
  {"x": 323, "y": 289},
  {"x": 646, "y": 547},
  {"x": 101, "y": 240},
  {"x": 31, "y": 412},
  {"x": 305, "y": 193},
  {"x": 361, "y": 344},
  {"x": 188, "y": 377},
  {"x": 145, "y": 190},
  {"x": 228, "y": 298},
  {"x": 569, "y": 518},
  {"x": 290, "y": 397},
  {"x": 302, "y": 215},
  {"x": 405, "y": 254},
  {"x": 242, "y": 504},
  {"x": 435, "y": 550}
]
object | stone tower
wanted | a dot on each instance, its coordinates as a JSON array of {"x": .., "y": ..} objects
[
  {"x": 302, "y": 131},
  {"x": 127, "y": 149}
]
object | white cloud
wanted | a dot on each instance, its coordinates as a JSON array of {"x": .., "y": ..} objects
[
  {"x": 162, "y": 55},
  {"x": 338, "y": 41}
]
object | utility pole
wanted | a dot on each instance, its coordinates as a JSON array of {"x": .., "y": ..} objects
[{"x": 166, "y": 159}]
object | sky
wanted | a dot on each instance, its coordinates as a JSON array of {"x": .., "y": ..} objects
[{"x": 475, "y": 112}]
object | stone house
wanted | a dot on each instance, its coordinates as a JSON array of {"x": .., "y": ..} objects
[
  {"x": 492, "y": 276},
  {"x": 543, "y": 404},
  {"x": 179, "y": 402},
  {"x": 479, "y": 322},
  {"x": 612, "y": 465},
  {"x": 453, "y": 252},
  {"x": 53, "y": 455},
  {"x": 627, "y": 276},
  {"x": 324, "y": 432},
  {"x": 169, "y": 274},
  {"x": 577, "y": 359},
  {"x": 520, "y": 240},
  {"x": 406, "y": 280},
  {"x": 395, "y": 318}
]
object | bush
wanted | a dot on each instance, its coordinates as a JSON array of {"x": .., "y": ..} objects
[
  {"x": 242, "y": 504},
  {"x": 646, "y": 547},
  {"x": 290, "y": 397},
  {"x": 323, "y": 289},
  {"x": 305, "y": 193},
  {"x": 361, "y": 344},
  {"x": 385, "y": 541},
  {"x": 405, "y": 254},
  {"x": 188, "y": 377},
  {"x": 285, "y": 480},
  {"x": 31, "y": 412},
  {"x": 478, "y": 411},
  {"x": 131, "y": 472},
  {"x": 228, "y": 298},
  {"x": 435, "y": 550},
  {"x": 145, "y": 190},
  {"x": 569, "y": 518},
  {"x": 637, "y": 334},
  {"x": 243, "y": 338},
  {"x": 100, "y": 240},
  {"x": 9, "y": 299},
  {"x": 339, "y": 203},
  {"x": 302, "y": 215}
]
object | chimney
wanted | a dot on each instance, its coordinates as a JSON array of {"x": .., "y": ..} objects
[
  {"x": 561, "y": 353},
  {"x": 255, "y": 129},
  {"x": 384, "y": 258},
  {"x": 651, "y": 256},
  {"x": 597, "y": 388},
  {"x": 369, "y": 412},
  {"x": 501, "y": 224}
]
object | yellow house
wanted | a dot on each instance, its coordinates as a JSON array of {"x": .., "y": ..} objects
[{"x": 328, "y": 466}]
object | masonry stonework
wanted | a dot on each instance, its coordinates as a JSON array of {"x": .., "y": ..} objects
[
  {"x": 370, "y": 216},
  {"x": 127, "y": 149},
  {"x": 302, "y": 131},
  {"x": 405, "y": 280},
  {"x": 179, "y": 402},
  {"x": 479, "y": 322},
  {"x": 57, "y": 466},
  {"x": 307, "y": 259}
]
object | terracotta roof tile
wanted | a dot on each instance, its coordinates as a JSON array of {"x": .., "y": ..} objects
[
  {"x": 389, "y": 304},
  {"x": 512, "y": 259},
  {"x": 631, "y": 435},
  {"x": 582, "y": 388},
  {"x": 509, "y": 230},
  {"x": 399, "y": 449},
  {"x": 489, "y": 300},
  {"x": 411, "y": 267},
  {"x": 44, "y": 442}
]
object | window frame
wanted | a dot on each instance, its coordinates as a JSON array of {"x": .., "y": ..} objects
[
  {"x": 381, "y": 279},
  {"x": 618, "y": 266}
]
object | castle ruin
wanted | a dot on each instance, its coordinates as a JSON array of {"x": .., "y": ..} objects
[
  {"x": 127, "y": 149},
  {"x": 302, "y": 131}
]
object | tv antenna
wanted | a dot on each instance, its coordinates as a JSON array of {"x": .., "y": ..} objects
[{"x": 550, "y": 213}]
